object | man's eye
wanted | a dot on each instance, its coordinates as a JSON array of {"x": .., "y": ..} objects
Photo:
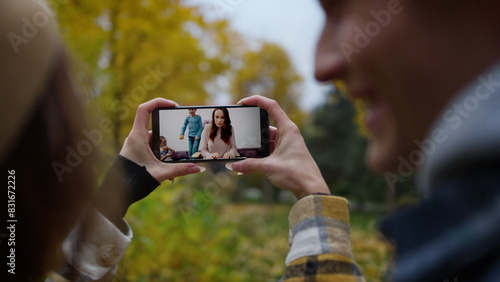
[
  {"x": 335, "y": 10},
  {"x": 328, "y": 3},
  {"x": 332, "y": 6}
]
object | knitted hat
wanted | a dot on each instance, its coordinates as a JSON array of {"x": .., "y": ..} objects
[{"x": 28, "y": 43}]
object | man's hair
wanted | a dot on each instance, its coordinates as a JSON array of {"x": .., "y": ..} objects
[{"x": 54, "y": 187}]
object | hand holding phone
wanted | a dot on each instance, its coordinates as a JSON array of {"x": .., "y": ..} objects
[
  {"x": 137, "y": 145},
  {"x": 290, "y": 166}
]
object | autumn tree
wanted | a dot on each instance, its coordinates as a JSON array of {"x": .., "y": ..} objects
[
  {"x": 139, "y": 50},
  {"x": 269, "y": 71}
]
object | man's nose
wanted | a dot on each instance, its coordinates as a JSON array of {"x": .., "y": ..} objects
[{"x": 330, "y": 63}]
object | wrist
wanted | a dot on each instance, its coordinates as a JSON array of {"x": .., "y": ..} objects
[
  {"x": 312, "y": 186},
  {"x": 125, "y": 183},
  {"x": 300, "y": 195},
  {"x": 316, "y": 190},
  {"x": 316, "y": 194}
]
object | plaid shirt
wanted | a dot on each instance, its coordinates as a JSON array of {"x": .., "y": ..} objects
[{"x": 320, "y": 248}]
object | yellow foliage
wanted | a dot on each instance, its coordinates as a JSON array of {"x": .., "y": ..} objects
[
  {"x": 186, "y": 232},
  {"x": 270, "y": 72},
  {"x": 371, "y": 252},
  {"x": 138, "y": 50},
  {"x": 341, "y": 86}
]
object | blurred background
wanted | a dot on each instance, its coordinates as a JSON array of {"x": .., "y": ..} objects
[{"x": 217, "y": 226}]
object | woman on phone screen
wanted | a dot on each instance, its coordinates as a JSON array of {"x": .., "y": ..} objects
[{"x": 217, "y": 139}]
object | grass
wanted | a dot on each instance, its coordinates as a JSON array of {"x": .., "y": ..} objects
[
  {"x": 223, "y": 241},
  {"x": 371, "y": 251}
]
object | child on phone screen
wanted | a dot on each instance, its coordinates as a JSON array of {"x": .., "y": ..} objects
[
  {"x": 165, "y": 151},
  {"x": 195, "y": 125}
]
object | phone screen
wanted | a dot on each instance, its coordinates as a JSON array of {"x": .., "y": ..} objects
[{"x": 210, "y": 133}]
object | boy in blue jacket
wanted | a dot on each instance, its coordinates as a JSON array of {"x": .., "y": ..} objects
[{"x": 195, "y": 125}]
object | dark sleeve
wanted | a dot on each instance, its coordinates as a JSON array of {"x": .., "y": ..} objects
[
  {"x": 125, "y": 183},
  {"x": 453, "y": 233}
]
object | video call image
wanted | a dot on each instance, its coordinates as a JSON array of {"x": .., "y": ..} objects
[{"x": 209, "y": 133}]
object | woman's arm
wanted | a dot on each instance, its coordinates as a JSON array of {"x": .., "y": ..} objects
[
  {"x": 97, "y": 243},
  {"x": 204, "y": 142},
  {"x": 184, "y": 126}
]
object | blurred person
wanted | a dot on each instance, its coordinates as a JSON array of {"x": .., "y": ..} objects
[
  {"x": 54, "y": 190},
  {"x": 428, "y": 73},
  {"x": 217, "y": 140},
  {"x": 194, "y": 124}
]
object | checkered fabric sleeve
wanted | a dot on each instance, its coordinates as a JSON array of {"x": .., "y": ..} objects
[{"x": 320, "y": 248}]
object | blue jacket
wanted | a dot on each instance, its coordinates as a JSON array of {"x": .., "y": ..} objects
[
  {"x": 454, "y": 234},
  {"x": 194, "y": 124}
]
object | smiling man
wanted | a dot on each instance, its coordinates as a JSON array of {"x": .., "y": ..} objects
[{"x": 428, "y": 73}]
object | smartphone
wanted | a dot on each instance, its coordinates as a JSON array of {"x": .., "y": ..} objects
[{"x": 201, "y": 133}]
